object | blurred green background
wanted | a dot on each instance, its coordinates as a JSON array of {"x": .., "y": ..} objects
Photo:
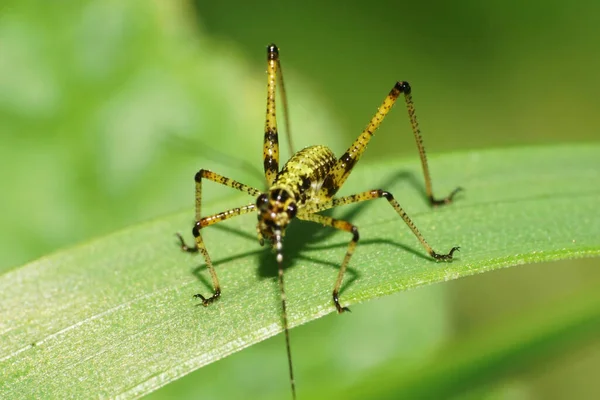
[{"x": 108, "y": 108}]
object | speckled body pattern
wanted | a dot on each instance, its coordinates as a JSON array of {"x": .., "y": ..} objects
[
  {"x": 303, "y": 175},
  {"x": 306, "y": 185}
]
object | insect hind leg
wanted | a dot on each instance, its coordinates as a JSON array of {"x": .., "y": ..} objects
[
  {"x": 309, "y": 215},
  {"x": 410, "y": 107},
  {"x": 344, "y": 165},
  {"x": 376, "y": 194}
]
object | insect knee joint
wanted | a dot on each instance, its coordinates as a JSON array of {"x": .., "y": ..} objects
[
  {"x": 388, "y": 196},
  {"x": 355, "y": 235},
  {"x": 196, "y": 229},
  {"x": 403, "y": 87},
  {"x": 200, "y": 174},
  {"x": 272, "y": 52}
]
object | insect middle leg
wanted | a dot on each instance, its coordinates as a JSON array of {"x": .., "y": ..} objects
[
  {"x": 199, "y": 245},
  {"x": 344, "y": 226},
  {"x": 348, "y": 160},
  {"x": 357, "y": 198}
]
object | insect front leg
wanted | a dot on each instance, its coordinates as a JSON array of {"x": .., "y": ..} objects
[
  {"x": 217, "y": 178},
  {"x": 344, "y": 226},
  {"x": 199, "y": 245}
]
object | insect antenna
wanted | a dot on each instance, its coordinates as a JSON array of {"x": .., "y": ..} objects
[
  {"x": 286, "y": 114},
  {"x": 193, "y": 146},
  {"x": 278, "y": 248}
]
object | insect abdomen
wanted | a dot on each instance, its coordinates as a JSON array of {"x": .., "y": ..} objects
[{"x": 304, "y": 173}]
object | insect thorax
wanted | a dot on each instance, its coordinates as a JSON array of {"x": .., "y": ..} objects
[{"x": 304, "y": 173}]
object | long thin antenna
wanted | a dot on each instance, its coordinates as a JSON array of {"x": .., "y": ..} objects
[
  {"x": 286, "y": 114},
  {"x": 278, "y": 247}
]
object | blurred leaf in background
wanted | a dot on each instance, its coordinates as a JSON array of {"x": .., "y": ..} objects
[
  {"x": 483, "y": 74},
  {"x": 108, "y": 108}
]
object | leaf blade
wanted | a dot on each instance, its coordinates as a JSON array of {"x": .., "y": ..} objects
[{"x": 115, "y": 316}]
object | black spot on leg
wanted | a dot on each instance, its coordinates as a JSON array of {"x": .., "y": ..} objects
[
  {"x": 349, "y": 162},
  {"x": 270, "y": 165},
  {"x": 355, "y": 235},
  {"x": 271, "y": 136}
]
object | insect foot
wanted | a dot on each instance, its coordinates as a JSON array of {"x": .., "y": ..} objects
[
  {"x": 336, "y": 301},
  {"x": 444, "y": 257},
  {"x": 185, "y": 247},
  {"x": 446, "y": 200},
  {"x": 205, "y": 301}
]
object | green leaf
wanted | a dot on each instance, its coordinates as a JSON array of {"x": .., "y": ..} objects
[{"x": 116, "y": 316}]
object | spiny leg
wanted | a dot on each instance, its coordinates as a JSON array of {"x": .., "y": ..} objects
[
  {"x": 199, "y": 245},
  {"x": 217, "y": 178},
  {"x": 344, "y": 226},
  {"x": 348, "y": 160},
  {"x": 410, "y": 106},
  {"x": 375, "y": 194},
  {"x": 271, "y": 139}
]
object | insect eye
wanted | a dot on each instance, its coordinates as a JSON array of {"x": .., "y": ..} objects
[
  {"x": 292, "y": 209},
  {"x": 262, "y": 200}
]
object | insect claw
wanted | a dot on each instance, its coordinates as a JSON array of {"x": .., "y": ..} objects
[
  {"x": 446, "y": 200},
  {"x": 184, "y": 246},
  {"x": 451, "y": 195},
  {"x": 181, "y": 241},
  {"x": 207, "y": 301},
  {"x": 341, "y": 309},
  {"x": 336, "y": 301},
  {"x": 445, "y": 257}
]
